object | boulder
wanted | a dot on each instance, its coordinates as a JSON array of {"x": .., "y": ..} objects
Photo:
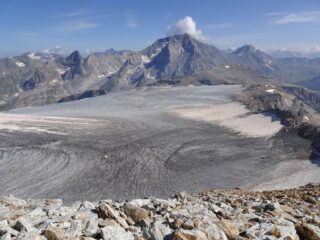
[
  {"x": 12, "y": 202},
  {"x": 159, "y": 231},
  {"x": 91, "y": 228},
  {"x": 230, "y": 229},
  {"x": 106, "y": 211},
  {"x": 213, "y": 232},
  {"x": 137, "y": 214},
  {"x": 23, "y": 224},
  {"x": 30, "y": 236},
  {"x": 189, "y": 235},
  {"x": 74, "y": 231},
  {"x": 55, "y": 233},
  {"x": 308, "y": 231}
]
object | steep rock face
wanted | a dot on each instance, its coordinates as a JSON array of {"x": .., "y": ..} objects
[
  {"x": 74, "y": 62},
  {"x": 181, "y": 55},
  {"x": 311, "y": 98},
  {"x": 36, "y": 78}
]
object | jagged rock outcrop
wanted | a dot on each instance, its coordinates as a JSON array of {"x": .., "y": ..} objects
[
  {"x": 272, "y": 99},
  {"x": 311, "y": 98},
  {"x": 296, "y": 107},
  {"x": 213, "y": 215},
  {"x": 73, "y": 61}
]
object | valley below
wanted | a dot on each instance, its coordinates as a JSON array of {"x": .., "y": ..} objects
[{"x": 149, "y": 141}]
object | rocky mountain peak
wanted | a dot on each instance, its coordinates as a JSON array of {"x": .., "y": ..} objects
[
  {"x": 246, "y": 49},
  {"x": 251, "y": 51},
  {"x": 73, "y": 59}
]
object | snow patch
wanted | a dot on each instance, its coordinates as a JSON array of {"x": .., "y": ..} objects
[
  {"x": 234, "y": 116},
  {"x": 33, "y": 56},
  {"x": 149, "y": 76},
  {"x": 270, "y": 90},
  {"x": 20, "y": 64},
  {"x": 306, "y": 118},
  {"x": 145, "y": 59},
  {"x": 110, "y": 73},
  {"x": 227, "y": 66},
  {"x": 54, "y": 81},
  {"x": 61, "y": 71},
  {"x": 101, "y": 76}
]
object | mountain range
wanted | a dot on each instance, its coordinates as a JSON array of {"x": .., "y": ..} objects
[{"x": 36, "y": 78}]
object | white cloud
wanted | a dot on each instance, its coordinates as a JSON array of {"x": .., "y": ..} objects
[
  {"x": 275, "y": 14},
  {"x": 220, "y": 25},
  {"x": 189, "y": 26},
  {"x": 77, "y": 13},
  {"x": 131, "y": 19},
  {"x": 77, "y": 25},
  {"x": 303, "y": 48},
  {"x": 300, "y": 17}
]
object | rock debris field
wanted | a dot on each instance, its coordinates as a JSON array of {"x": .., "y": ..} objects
[
  {"x": 215, "y": 215},
  {"x": 147, "y": 142}
]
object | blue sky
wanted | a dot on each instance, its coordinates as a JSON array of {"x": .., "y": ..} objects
[{"x": 127, "y": 24}]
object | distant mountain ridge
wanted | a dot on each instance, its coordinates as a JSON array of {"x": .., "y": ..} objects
[{"x": 41, "y": 78}]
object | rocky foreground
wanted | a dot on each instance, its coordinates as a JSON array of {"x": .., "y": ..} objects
[{"x": 214, "y": 215}]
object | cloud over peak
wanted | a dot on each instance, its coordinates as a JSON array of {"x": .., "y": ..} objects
[{"x": 189, "y": 26}]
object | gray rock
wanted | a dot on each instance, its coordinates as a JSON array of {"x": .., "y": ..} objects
[
  {"x": 91, "y": 228},
  {"x": 37, "y": 216},
  {"x": 88, "y": 205},
  {"x": 30, "y": 236},
  {"x": 24, "y": 224},
  {"x": 158, "y": 231},
  {"x": 189, "y": 224},
  {"x": 74, "y": 231},
  {"x": 116, "y": 233},
  {"x": 3, "y": 224},
  {"x": 5, "y": 212},
  {"x": 213, "y": 232},
  {"x": 6, "y": 236},
  {"x": 9, "y": 230}
]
